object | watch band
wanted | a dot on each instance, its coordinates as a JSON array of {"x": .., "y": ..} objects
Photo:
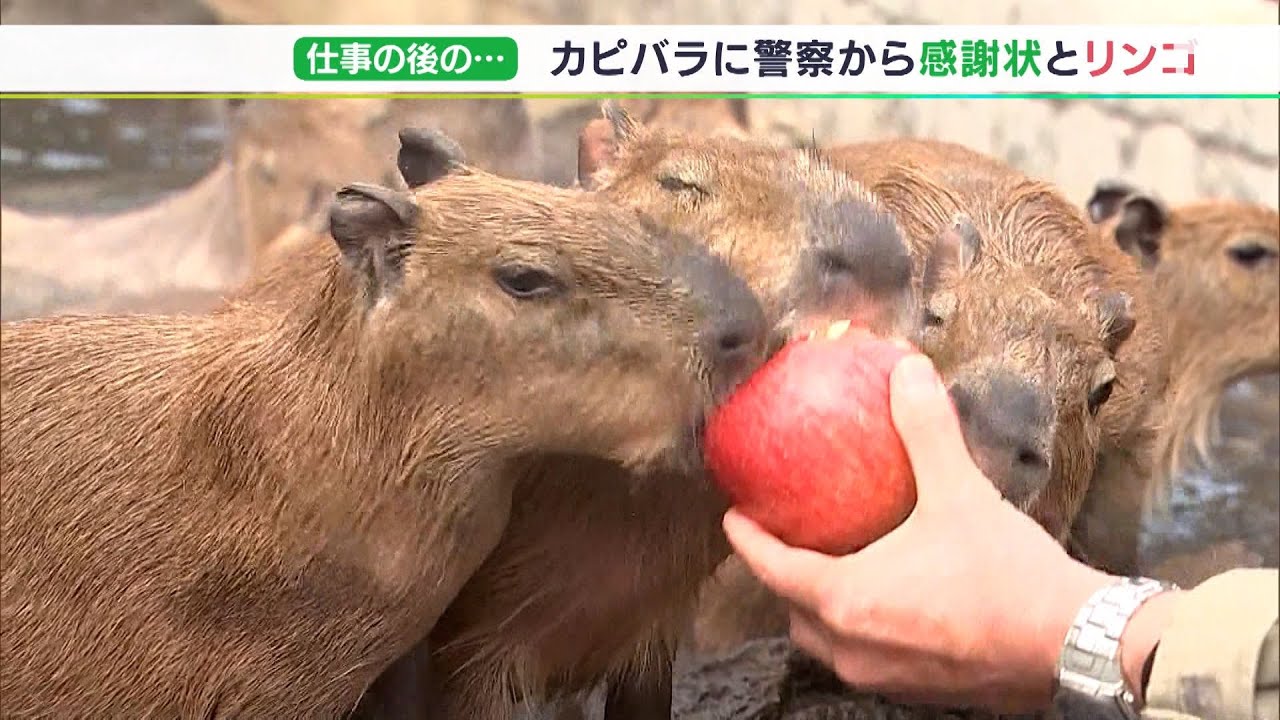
[{"x": 1090, "y": 680}]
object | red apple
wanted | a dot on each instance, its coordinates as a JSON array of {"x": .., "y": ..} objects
[{"x": 807, "y": 448}]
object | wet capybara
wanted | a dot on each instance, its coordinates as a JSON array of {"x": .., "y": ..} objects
[
  {"x": 253, "y": 513},
  {"x": 1213, "y": 269}
]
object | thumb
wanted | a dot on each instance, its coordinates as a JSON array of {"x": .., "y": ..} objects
[{"x": 930, "y": 430}]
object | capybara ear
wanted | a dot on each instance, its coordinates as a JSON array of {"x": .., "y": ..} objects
[
  {"x": 1115, "y": 310},
  {"x": 426, "y": 155},
  {"x": 374, "y": 228},
  {"x": 1108, "y": 195},
  {"x": 600, "y": 139},
  {"x": 955, "y": 249},
  {"x": 625, "y": 127},
  {"x": 1142, "y": 221},
  {"x": 740, "y": 113}
]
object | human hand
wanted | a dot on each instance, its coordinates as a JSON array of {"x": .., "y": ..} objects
[{"x": 966, "y": 603}]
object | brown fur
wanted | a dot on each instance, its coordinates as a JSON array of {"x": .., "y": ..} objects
[
  {"x": 593, "y": 581},
  {"x": 1222, "y": 313},
  {"x": 589, "y": 583},
  {"x": 252, "y": 513},
  {"x": 1043, "y": 323},
  {"x": 1221, "y": 317},
  {"x": 693, "y": 116},
  {"x": 1048, "y": 261}
]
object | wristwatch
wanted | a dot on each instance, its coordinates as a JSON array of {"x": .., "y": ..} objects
[{"x": 1090, "y": 682}]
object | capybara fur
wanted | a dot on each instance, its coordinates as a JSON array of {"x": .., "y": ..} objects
[
  {"x": 1031, "y": 293},
  {"x": 289, "y": 156},
  {"x": 1212, "y": 266},
  {"x": 254, "y": 512},
  {"x": 592, "y": 583},
  {"x": 812, "y": 243},
  {"x": 1039, "y": 327}
]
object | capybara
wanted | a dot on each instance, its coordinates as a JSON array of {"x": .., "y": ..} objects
[
  {"x": 1212, "y": 265},
  {"x": 253, "y": 513},
  {"x": 592, "y": 583},
  {"x": 1033, "y": 288},
  {"x": 1030, "y": 317}
]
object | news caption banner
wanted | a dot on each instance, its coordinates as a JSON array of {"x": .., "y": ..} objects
[{"x": 789, "y": 59}]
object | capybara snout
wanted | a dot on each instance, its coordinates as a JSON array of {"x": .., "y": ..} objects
[
  {"x": 812, "y": 244},
  {"x": 733, "y": 329},
  {"x": 856, "y": 267},
  {"x": 1009, "y": 428}
]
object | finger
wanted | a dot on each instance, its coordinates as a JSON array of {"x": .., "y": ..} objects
[
  {"x": 794, "y": 574},
  {"x": 930, "y": 430},
  {"x": 811, "y": 636}
]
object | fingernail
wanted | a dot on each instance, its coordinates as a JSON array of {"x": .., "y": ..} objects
[{"x": 915, "y": 375}]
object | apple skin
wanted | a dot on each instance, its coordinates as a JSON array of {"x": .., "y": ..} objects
[{"x": 807, "y": 448}]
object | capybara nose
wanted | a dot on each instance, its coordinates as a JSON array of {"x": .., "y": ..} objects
[
  {"x": 865, "y": 249},
  {"x": 735, "y": 346},
  {"x": 1008, "y": 427},
  {"x": 732, "y": 337}
]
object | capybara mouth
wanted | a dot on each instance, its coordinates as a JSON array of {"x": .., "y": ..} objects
[{"x": 813, "y": 326}]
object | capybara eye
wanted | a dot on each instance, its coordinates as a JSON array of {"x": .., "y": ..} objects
[
  {"x": 527, "y": 283},
  {"x": 938, "y": 308},
  {"x": 1250, "y": 254},
  {"x": 1099, "y": 395},
  {"x": 676, "y": 184}
]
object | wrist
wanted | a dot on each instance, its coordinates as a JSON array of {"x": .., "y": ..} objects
[
  {"x": 1111, "y": 637},
  {"x": 1066, "y": 598},
  {"x": 1140, "y": 638}
]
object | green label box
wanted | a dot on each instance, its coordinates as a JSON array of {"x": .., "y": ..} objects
[{"x": 405, "y": 58}]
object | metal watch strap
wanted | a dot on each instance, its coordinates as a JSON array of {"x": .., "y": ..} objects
[{"x": 1091, "y": 683}]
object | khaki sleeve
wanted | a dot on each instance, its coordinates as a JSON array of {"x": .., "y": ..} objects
[{"x": 1218, "y": 658}]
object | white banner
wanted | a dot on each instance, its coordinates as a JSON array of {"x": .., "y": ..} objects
[{"x": 818, "y": 59}]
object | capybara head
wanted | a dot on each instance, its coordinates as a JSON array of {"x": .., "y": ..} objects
[
  {"x": 1027, "y": 372},
  {"x": 1215, "y": 267},
  {"x": 812, "y": 243},
  {"x": 552, "y": 320}
]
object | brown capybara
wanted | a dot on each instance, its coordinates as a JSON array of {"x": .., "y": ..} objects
[
  {"x": 1213, "y": 270},
  {"x": 592, "y": 583},
  {"x": 1213, "y": 264},
  {"x": 813, "y": 244},
  {"x": 1049, "y": 299},
  {"x": 1031, "y": 319},
  {"x": 253, "y": 513}
]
